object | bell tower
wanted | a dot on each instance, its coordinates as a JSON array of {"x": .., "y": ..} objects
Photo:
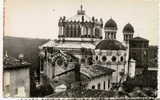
[
  {"x": 128, "y": 32},
  {"x": 110, "y": 29}
]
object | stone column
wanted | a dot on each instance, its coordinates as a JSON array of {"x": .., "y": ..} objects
[{"x": 89, "y": 31}]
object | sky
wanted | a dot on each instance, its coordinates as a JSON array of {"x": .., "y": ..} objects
[{"x": 39, "y": 18}]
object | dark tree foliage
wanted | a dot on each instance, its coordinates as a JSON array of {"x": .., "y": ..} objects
[{"x": 148, "y": 79}]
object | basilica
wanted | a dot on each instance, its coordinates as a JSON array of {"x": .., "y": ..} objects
[{"x": 88, "y": 53}]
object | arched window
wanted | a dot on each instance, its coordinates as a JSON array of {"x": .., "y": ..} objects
[
  {"x": 71, "y": 29},
  {"x": 86, "y": 30},
  {"x": 96, "y": 57},
  {"x": 104, "y": 58},
  {"x": 121, "y": 59},
  {"x": 66, "y": 30},
  {"x": 104, "y": 85},
  {"x": 79, "y": 31},
  {"x": 98, "y": 86},
  {"x": 108, "y": 83},
  {"x": 114, "y": 59},
  {"x": 75, "y": 31},
  {"x": 97, "y": 32},
  {"x": 115, "y": 36}
]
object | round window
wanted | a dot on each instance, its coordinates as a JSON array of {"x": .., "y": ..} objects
[
  {"x": 113, "y": 58},
  {"x": 121, "y": 58},
  {"x": 59, "y": 61},
  {"x": 104, "y": 58}
]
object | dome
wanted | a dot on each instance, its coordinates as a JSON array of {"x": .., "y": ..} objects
[
  {"x": 110, "y": 45},
  {"x": 80, "y": 15},
  {"x": 128, "y": 28},
  {"x": 110, "y": 24},
  {"x": 79, "y": 18}
]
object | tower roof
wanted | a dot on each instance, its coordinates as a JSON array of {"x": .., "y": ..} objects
[
  {"x": 128, "y": 28},
  {"x": 111, "y": 24}
]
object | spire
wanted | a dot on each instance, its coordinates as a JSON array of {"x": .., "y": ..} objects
[
  {"x": 81, "y": 11},
  {"x": 81, "y": 7}
]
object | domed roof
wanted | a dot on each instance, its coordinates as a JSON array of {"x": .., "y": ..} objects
[
  {"x": 111, "y": 24},
  {"x": 128, "y": 28},
  {"x": 80, "y": 15},
  {"x": 110, "y": 45}
]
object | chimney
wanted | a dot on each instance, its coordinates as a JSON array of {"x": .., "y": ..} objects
[
  {"x": 6, "y": 54},
  {"x": 21, "y": 58},
  {"x": 5, "y": 58}
]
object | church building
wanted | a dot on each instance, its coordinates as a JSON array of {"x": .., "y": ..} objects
[{"x": 80, "y": 40}]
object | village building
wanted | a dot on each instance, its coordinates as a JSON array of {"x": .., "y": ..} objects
[{"x": 16, "y": 77}]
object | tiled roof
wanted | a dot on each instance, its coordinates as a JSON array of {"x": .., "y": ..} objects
[
  {"x": 75, "y": 45},
  {"x": 110, "y": 45},
  {"x": 67, "y": 79},
  {"x": 86, "y": 73},
  {"x": 139, "y": 39},
  {"x": 95, "y": 71},
  {"x": 49, "y": 43},
  {"x": 11, "y": 62},
  {"x": 78, "y": 92}
]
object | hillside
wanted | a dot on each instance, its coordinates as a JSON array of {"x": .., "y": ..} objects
[{"x": 27, "y": 46}]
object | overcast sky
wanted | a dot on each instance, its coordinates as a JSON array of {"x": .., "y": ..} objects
[{"x": 39, "y": 18}]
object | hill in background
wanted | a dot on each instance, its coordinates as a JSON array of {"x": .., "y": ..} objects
[{"x": 27, "y": 46}]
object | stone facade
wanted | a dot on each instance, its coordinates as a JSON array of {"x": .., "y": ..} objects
[
  {"x": 80, "y": 25},
  {"x": 81, "y": 36}
]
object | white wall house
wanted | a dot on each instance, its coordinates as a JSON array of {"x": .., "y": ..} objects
[{"x": 16, "y": 78}]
